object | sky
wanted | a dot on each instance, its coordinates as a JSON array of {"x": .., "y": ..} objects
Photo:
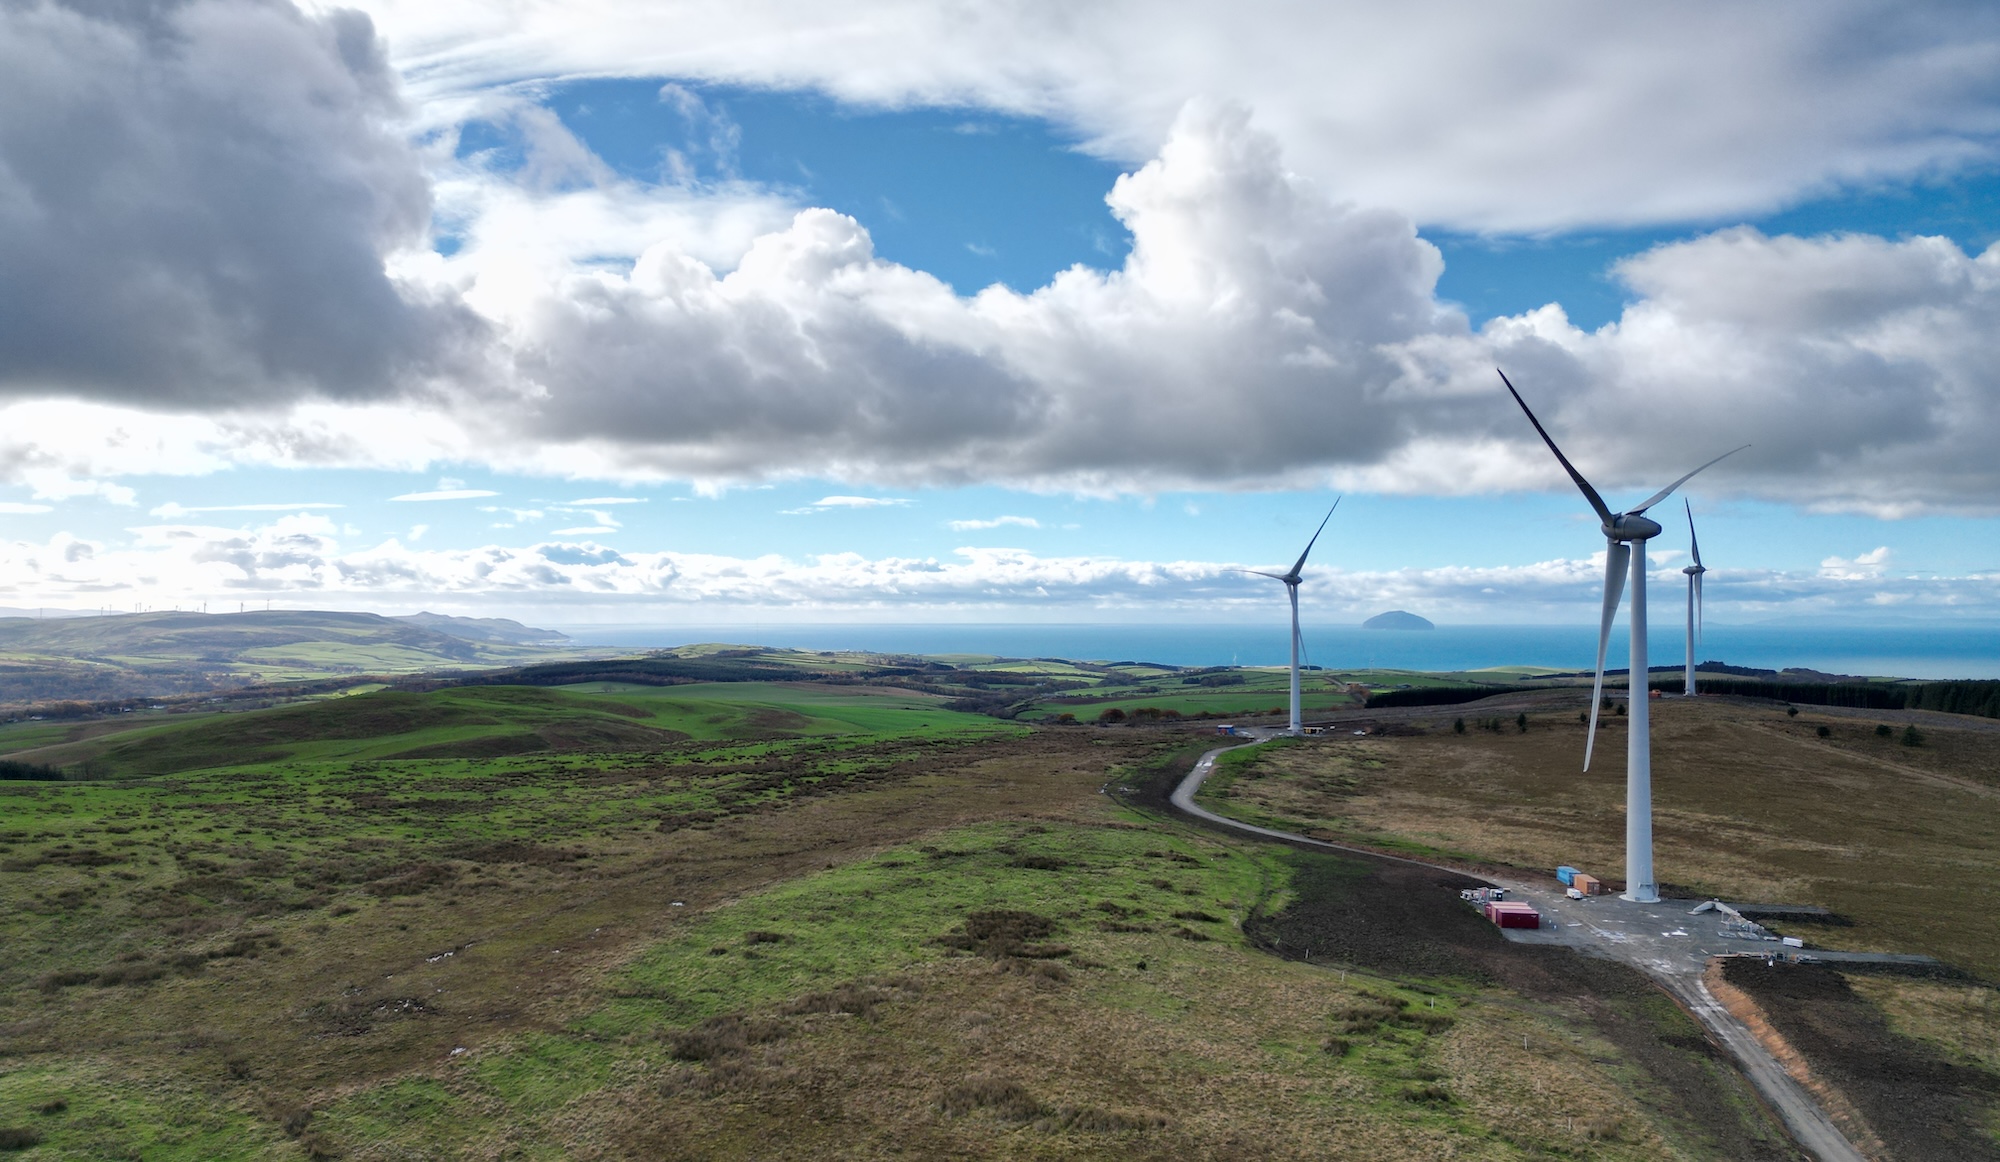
[{"x": 672, "y": 313}]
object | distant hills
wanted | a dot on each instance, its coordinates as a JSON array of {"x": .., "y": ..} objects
[
  {"x": 155, "y": 655},
  {"x": 1397, "y": 619},
  {"x": 487, "y": 629}
]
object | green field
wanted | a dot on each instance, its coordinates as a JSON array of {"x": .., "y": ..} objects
[{"x": 482, "y": 722}]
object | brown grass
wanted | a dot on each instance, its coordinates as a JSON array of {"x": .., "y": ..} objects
[{"x": 1749, "y": 804}]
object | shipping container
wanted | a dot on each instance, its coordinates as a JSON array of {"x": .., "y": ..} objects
[
  {"x": 1565, "y": 873},
  {"x": 1515, "y": 915},
  {"x": 1589, "y": 885}
]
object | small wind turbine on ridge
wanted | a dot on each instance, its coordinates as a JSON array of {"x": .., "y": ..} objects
[
  {"x": 1621, "y": 529},
  {"x": 1291, "y": 582},
  {"x": 1695, "y": 617}
]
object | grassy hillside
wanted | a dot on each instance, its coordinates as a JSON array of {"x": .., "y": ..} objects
[
  {"x": 825, "y": 920},
  {"x": 672, "y": 918},
  {"x": 165, "y": 654},
  {"x": 481, "y": 722}
]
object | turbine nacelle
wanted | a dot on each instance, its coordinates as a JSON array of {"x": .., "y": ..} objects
[
  {"x": 1631, "y": 526},
  {"x": 1694, "y": 570}
]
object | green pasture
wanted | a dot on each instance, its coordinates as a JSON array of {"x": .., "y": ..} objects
[{"x": 491, "y": 721}]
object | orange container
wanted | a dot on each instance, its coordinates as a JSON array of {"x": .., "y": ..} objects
[{"x": 1587, "y": 884}]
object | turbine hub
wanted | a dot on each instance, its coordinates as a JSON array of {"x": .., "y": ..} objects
[
  {"x": 1630, "y": 526},
  {"x": 1695, "y": 570}
]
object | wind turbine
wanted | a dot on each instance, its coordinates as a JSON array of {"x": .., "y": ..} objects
[
  {"x": 1695, "y": 617},
  {"x": 1291, "y": 581},
  {"x": 1621, "y": 529}
]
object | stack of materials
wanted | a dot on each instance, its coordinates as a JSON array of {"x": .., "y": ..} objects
[{"x": 1512, "y": 914}]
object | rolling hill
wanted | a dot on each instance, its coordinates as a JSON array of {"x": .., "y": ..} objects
[{"x": 152, "y": 655}]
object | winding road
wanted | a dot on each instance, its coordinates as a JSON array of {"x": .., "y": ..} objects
[{"x": 1664, "y": 941}]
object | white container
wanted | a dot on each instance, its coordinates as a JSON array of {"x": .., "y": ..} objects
[
  {"x": 1575, "y": 893},
  {"x": 1794, "y": 942}
]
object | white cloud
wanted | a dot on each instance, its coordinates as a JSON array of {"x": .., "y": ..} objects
[
  {"x": 594, "y": 501},
  {"x": 447, "y": 494},
  {"x": 1507, "y": 117},
  {"x": 1862, "y": 370},
  {"x": 1865, "y": 567},
  {"x": 15, "y": 507},
  {"x": 826, "y": 503},
  {"x": 1026, "y": 522},
  {"x": 1273, "y": 326},
  {"x": 302, "y": 556},
  {"x": 584, "y": 531}
]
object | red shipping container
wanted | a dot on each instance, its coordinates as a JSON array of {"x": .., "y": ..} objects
[{"x": 1513, "y": 914}]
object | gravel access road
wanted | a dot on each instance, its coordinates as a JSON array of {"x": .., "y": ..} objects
[{"x": 1664, "y": 941}]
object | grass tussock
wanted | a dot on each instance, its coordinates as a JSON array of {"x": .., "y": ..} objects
[
  {"x": 1005, "y": 933},
  {"x": 721, "y": 1038},
  {"x": 1007, "y": 1100}
]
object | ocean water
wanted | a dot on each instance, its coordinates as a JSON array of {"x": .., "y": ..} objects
[{"x": 1899, "y": 651}]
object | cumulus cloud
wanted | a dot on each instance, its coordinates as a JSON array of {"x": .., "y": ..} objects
[
  {"x": 1262, "y": 334},
  {"x": 1532, "y": 116},
  {"x": 1864, "y": 567},
  {"x": 196, "y": 200},
  {"x": 1861, "y": 370},
  {"x": 1247, "y": 294}
]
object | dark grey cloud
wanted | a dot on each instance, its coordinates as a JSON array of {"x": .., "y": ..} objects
[{"x": 196, "y": 199}]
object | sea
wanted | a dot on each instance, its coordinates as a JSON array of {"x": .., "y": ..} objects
[{"x": 1907, "y": 651}]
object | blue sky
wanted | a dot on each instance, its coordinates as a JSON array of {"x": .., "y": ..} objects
[{"x": 585, "y": 282}]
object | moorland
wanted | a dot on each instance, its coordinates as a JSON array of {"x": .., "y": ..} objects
[{"x": 729, "y": 902}]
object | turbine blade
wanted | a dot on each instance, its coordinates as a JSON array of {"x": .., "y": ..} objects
[
  {"x": 1693, "y": 542},
  {"x": 1663, "y": 493},
  {"x": 1590, "y": 494},
  {"x": 1617, "y": 555},
  {"x": 1315, "y": 538},
  {"x": 1261, "y": 573}
]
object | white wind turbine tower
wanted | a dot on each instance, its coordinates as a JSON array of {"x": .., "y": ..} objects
[
  {"x": 1621, "y": 529},
  {"x": 1291, "y": 581},
  {"x": 1695, "y": 617}
]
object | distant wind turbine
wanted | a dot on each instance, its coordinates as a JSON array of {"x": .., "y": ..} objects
[
  {"x": 1620, "y": 530},
  {"x": 1695, "y": 614},
  {"x": 1291, "y": 582}
]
